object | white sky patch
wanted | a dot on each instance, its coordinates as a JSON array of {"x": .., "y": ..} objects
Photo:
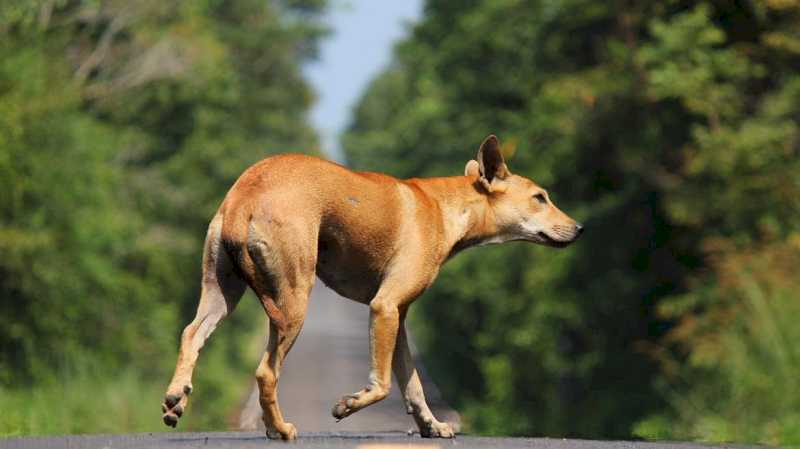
[{"x": 360, "y": 46}]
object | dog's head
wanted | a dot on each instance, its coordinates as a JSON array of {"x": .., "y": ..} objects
[{"x": 522, "y": 210}]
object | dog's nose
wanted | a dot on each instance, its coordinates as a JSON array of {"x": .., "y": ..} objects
[{"x": 578, "y": 228}]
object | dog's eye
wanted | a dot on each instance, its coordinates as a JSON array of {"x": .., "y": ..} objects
[{"x": 540, "y": 198}]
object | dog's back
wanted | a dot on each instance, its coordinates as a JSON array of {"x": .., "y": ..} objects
[{"x": 353, "y": 219}]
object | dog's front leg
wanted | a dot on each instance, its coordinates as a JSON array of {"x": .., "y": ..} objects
[
  {"x": 384, "y": 321},
  {"x": 411, "y": 387}
]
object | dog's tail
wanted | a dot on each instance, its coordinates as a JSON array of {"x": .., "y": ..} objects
[{"x": 235, "y": 224}]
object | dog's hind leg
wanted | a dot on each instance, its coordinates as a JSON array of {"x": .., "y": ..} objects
[
  {"x": 411, "y": 388},
  {"x": 221, "y": 291},
  {"x": 267, "y": 375},
  {"x": 285, "y": 274}
]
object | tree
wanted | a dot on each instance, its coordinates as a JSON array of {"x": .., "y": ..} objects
[
  {"x": 654, "y": 124},
  {"x": 123, "y": 124}
]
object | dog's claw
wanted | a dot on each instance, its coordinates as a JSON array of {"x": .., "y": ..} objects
[
  {"x": 171, "y": 399},
  {"x": 437, "y": 430},
  {"x": 340, "y": 411},
  {"x": 170, "y": 420},
  {"x": 288, "y": 434},
  {"x": 343, "y": 408},
  {"x": 174, "y": 404}
]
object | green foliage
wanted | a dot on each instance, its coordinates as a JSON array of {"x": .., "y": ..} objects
[
  {"x": 59, "y": 408},
  {"x": 740, "y": 190},
  {"x": 741, "y": 360},
  {"x": 85, "y": 396},
  {"x": 121, "y": 127},
  {"x": 670, "y": 129}
]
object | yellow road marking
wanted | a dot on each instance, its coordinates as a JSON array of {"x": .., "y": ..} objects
[{"x": 398, "y": 446}]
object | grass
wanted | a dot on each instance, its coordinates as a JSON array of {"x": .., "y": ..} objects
[
  {"x": 89, "y": 398},
  {"x": 81, "y": 405}
]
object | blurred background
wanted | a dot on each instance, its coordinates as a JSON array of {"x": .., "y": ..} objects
[{"x": 670, "y": 128}]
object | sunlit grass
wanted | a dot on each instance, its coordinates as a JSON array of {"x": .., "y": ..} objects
[
  {"x": 88, "y": 398},
  {"x": 82, "y": 404}
]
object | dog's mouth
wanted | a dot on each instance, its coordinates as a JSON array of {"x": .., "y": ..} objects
[{"x": 550, "y": 241}]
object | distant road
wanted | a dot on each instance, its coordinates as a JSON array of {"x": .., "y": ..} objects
[{"x": 251, "y": 440}]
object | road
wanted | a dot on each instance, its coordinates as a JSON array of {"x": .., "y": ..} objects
[{"x": 385, "y": 440}]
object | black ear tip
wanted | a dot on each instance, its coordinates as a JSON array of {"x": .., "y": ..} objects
[{"x": 490, "y": 140}]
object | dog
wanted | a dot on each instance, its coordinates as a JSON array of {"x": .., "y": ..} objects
[{"x": 370, "y": 237}]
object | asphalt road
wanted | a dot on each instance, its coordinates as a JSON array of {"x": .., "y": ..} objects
[{"x": 386, "y": 440}]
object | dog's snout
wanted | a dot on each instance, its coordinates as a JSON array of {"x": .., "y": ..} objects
[{"x": 578, "y": 229}]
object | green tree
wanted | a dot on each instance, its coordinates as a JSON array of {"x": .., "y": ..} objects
[
  {"x": 739, "y": 190},
  {"x": 663, "y": 126},
  {"x": 122, "y": 124}
]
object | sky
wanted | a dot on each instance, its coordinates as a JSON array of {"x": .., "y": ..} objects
[{"x": 363, "y": 33}]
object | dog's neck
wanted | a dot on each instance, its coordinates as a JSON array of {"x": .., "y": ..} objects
[{"x": 467, "y": 217}]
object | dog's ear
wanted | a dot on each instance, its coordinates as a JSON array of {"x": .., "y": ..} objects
[{"x": 491, "y": 165}]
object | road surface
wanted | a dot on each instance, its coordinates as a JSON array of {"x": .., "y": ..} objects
[{"x": 385, "y": 440}]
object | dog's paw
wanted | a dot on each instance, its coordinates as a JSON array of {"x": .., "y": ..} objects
[
  {"x": 344, "y": 407},
  {"x": 172, "y": 407},
  {"x": 437, "y": 429},
  {"x": 288, "y": 433}
]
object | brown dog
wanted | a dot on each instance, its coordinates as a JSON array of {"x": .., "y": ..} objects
[{"x": 370, "y": 237}]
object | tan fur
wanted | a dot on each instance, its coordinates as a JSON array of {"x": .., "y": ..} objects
[{"x": 370, "y": 237}]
